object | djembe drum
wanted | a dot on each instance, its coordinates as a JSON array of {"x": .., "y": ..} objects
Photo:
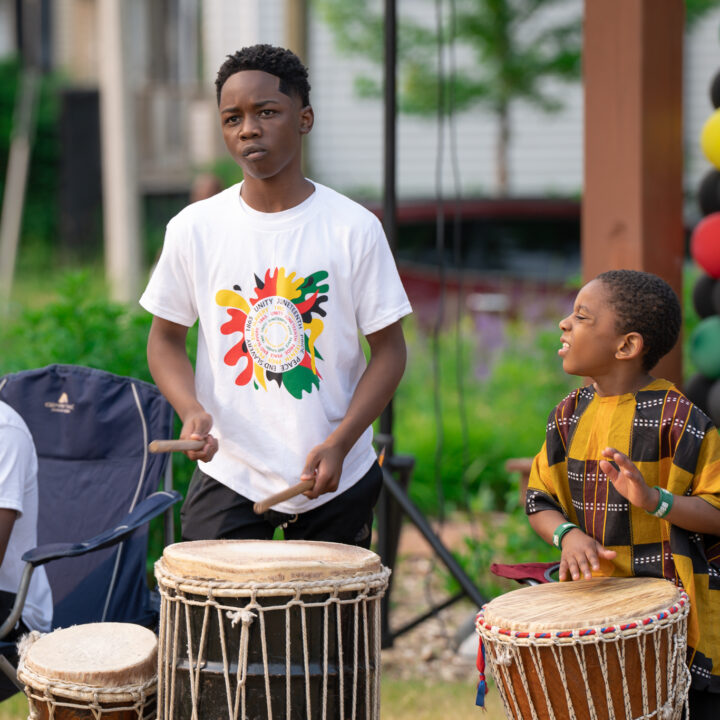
[
  {"x": 600, "y": 649},
  {"x": 98, "y": 671},
  {"x": 261, "y": 630}
]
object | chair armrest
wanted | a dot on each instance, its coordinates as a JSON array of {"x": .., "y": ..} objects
[
  {"x": 19, "y": 603},
  {"x": 144, "y": 512},
  {"x": 527, "y": 573}
]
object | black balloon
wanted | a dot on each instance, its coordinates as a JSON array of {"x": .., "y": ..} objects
[
  {"x": 713, "y": 403},
  {"x": 697, "y": 389},
  {"x": 715, "y": 91},
  {"x": 703, "y": 296},
  {"x": 709, "y": 193}
]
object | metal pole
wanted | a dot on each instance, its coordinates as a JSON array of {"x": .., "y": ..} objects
[
  {"x": 389, "y": 159},
  {"x": 433, "y": 540}
]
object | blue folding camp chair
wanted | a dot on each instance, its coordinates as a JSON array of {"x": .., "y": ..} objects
[{"x": 98, "y": 489}]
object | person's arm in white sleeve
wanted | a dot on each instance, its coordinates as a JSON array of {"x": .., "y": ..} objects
[
  {"x": 373, "y": 392},
  {"x": 173, "y": 373}
]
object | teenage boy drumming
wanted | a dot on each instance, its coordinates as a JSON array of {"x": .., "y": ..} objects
[
  {"x": 282, "y": 273},
  {"x": 659, "y": 514}
]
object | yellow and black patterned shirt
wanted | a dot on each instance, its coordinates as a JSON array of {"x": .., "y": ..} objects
[{"x": 675, "y": 446}]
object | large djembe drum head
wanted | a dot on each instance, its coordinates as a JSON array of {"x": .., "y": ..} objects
[
  {"x": 267, "y": 561},
  {"x": 98, "y": 670},
  {"x": 268, "y": 629},
  {"x": 604, "y": 648}
]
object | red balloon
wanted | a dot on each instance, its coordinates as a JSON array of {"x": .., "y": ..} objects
[{"x": 705, "y": 244}]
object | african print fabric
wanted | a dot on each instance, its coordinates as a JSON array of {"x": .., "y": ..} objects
[{"x": 675, "y": 446}]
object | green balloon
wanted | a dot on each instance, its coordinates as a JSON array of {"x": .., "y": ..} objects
[{"x": 705, "y": 347}]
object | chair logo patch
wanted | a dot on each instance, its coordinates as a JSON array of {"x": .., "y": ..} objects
[{"x": 63, "y": 405}]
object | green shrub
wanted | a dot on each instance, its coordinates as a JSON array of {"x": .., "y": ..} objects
[
  {"x": 461, "y": 431},
  {"x": 500, "y": 538},
  {"x": 81, "y": 327}
]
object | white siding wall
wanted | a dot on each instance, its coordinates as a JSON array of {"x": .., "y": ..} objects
[
  {"x": 229, "y": 25},
  {"x": 346, "y": 144}
]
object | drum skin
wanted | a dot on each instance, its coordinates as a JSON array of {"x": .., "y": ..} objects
[
  {"x": 301, "y": 647},
  {"x": 562, "y": 645}
]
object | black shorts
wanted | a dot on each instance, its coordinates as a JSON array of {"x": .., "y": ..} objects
[{"x": 212, "y": 511}]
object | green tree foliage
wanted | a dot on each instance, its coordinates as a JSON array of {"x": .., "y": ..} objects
[{"x": 695, "y": 9}]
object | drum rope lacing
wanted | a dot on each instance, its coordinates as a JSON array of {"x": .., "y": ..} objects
[
  {"x": 180, "y": 591},
  {"x": 603, "y": 637},
  {"x": 88, "y": 697}
]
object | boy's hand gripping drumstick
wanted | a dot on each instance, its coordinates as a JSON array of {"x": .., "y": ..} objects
[
  {"x": 303, "y": 486},
  {"x": 264, "y": 505},
  {"x": 161, "y": 446}
]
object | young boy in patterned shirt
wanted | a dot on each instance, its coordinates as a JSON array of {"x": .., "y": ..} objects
[{"x": 628, "y": 480}]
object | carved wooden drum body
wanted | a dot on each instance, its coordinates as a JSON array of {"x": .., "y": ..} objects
[
  {"x": 269, "y": 629},
  {"x": 98, "y": 671},
  {"x": 600, "y": 649}
]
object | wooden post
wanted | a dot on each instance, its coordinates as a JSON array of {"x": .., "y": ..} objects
[
  {"x": 296, "y": 27},
  {"x": 121, "y": 203},
  {"x": 632, "y": 201}
]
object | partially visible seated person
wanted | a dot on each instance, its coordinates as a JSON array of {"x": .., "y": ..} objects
[{"x": 18, "y": 525}]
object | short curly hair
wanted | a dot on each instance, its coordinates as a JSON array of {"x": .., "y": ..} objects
[
  {"x": 646, "y": 304},
  {"x": 277, "y": 61}
]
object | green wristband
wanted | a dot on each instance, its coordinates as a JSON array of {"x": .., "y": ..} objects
[
  {"x": 665, "y": 503},
  {"x": 561, "y": 531}
]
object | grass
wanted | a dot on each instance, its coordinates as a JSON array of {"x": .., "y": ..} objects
[
  {"x": 14, "y": 708},
  {"x": 399, "y": 700},
  {"x": 421, "y": 700}
]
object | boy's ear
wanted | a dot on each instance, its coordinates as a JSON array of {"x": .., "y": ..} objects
[
  {"x": 632, "y": 347},
  {"x": 307, "y": 118}
]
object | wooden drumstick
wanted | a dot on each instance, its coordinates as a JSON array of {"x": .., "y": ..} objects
[
  {"x": 162, "y": 446},
  {"x": 291, "y": 492}
]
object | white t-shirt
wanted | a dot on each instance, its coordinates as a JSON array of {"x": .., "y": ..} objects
[
  {"x": 19, "y": 491},
  {"x": 280, "y": 298}
]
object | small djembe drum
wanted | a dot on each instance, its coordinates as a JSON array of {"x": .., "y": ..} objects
[
  {"x": 600, "y": 649},
  {"x": 261, "y": 630},
  {"x": 98, "y": 671}
]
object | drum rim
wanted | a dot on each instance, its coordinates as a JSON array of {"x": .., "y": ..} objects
[
  {"x": 644, "y": 623},
  {"x": 168, "y": 580},
  {"x": 69, "y": 690}
]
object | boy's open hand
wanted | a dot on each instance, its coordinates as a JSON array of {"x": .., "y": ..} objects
[
  {"x": 628, "y": 480},
  {"x": 581, "y": 555},
  {"x": 197, "y": 427},
  {"x": 323, "y": 464}
]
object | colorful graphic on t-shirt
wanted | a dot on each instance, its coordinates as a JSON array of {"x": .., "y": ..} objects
[{"x": 279, "y": 328}]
